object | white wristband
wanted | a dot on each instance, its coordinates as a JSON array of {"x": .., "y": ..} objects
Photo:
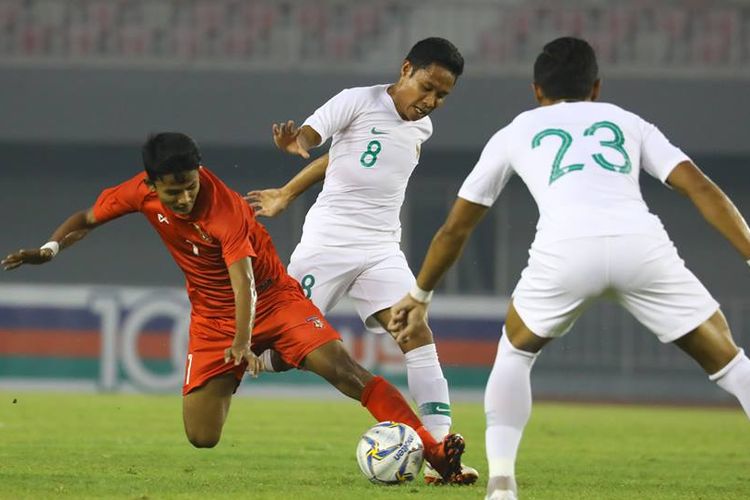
[
  {"x": 420, "y": 295},
  {"x": 51, "y": 245}
]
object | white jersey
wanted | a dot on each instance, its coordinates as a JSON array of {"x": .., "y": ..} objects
[
  {"x": 581, "y": 163},
  {"x": 372, "y": 155}
]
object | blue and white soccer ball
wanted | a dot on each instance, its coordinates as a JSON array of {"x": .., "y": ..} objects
[{"x": 390, "y": 453}]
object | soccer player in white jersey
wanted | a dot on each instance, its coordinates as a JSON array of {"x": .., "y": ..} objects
[
  {"x": 350, "y": 240},
  {"x": 595, "y": 237}
]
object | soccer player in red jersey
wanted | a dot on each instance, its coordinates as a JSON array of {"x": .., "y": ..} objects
[{"x": 243, "y": 301}]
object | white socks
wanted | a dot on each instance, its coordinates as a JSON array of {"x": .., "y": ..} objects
[
  {"x": 265, "y": 356},
  {"x": 429, "y": 389},
  {"x": 735, "y": 379},
  {"x": 507, "y": 405}
]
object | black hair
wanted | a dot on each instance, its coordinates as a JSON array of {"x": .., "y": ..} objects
[
  {"x": 169, "y": 153},
  {"x": 566, "y": 69},
  {"x": 436, "y": 50}
]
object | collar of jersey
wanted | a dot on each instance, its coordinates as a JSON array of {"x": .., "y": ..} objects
[{"x": 387, "y": 101}]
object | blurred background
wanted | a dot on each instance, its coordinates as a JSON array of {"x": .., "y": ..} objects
[{"x": 82, "y": 82}]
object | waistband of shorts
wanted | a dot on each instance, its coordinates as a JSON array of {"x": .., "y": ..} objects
[
  {"x": 380, "y": 246},
  {"x": 541, "y": 242}
]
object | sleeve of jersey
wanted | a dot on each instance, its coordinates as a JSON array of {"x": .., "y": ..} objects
[
  {"x": 235, "y": 237},
  {"x": 334, "y": 115},
  {"x": 119, "y": 200},
  {"x": 659, "y": 156},
  {"x": 490, "y": 174}
]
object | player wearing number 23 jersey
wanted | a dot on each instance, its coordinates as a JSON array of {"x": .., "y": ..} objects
[{"x": 581, "y": 162}]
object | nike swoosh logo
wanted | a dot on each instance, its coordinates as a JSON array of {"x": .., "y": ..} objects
[
  {"x": 434, "y": 408},
  {"x": 375, "y": 131}
]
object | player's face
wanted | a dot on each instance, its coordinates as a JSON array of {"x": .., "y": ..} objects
[
  {"x": 178, "y": 192},
  {"x": 418, "y": 93}
]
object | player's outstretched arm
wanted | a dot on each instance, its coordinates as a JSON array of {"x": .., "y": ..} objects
[
  {"x": 72, "y": 230},
  {"x": 271, "y": 202},
  {"x": 446, "y": 247},
  {"x": 245, "y": 297},
  {"x": 713, "y": 204},
  {"x": 293, "y": 140}
]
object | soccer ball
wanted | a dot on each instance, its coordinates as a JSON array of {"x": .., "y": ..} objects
[{"x": 390, "y": 453}]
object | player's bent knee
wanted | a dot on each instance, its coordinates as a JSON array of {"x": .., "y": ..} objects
[
  {"x": 204, "y": 440},
  {"x": 201, "y": 443}
]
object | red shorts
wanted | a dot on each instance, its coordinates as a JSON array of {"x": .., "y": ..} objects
[{"x": 294, "y": 330}]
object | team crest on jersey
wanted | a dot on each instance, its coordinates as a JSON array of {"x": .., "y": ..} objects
[
  {"x": 195, "y": 247},
  {"x": 204, "y": 236},
  {"x": 316, "y": 321}
]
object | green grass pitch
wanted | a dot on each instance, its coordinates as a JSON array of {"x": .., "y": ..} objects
[{"x": 132, "y": 446}]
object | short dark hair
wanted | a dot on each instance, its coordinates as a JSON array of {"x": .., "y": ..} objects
[
  {"x": 566, "y": 69},
  {"x": 436, "y": 50},
  {"x": 169, "y": 153}
]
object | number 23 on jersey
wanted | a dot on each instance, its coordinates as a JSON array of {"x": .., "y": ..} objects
[{"x": 616, "y": 143}]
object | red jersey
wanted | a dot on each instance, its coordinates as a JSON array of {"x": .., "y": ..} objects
[{"x": 220, "y": 230}]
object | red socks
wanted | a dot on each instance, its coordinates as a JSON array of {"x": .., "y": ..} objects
[{"x": 385, "y": 402}]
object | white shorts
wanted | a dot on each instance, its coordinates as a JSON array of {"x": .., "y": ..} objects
[
  {"x": 374, "y": 279},
  {"x": 641, "y": 272}
]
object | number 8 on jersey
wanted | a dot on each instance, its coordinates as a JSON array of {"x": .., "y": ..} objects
[{"x": 370, "y": 156}]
